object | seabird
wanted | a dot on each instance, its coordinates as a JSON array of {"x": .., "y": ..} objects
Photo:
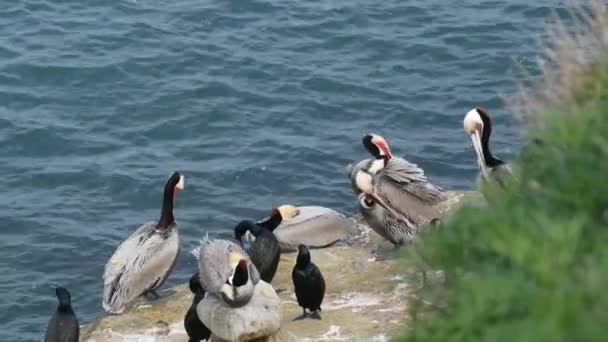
[
  {"x": 308, "y": 283},
  {"x": 478, "y": 126},
  {"x": 392, "y": 226},
  {"x": 63, "y": 325},
  {"x": 195, "y": 328},
  {"x": 143, "y": 262},
  {"x": 313, "y": 226},
  {"x": 397, "y": 183},
  {"x": 226, "y": 271},
  {"x": 264, "y": 251}
]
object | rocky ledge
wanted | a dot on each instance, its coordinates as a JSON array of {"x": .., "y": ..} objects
[{"x": 365, "y": 299}]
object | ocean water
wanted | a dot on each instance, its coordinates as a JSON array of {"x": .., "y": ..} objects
[{"x": 257, "y": 102}]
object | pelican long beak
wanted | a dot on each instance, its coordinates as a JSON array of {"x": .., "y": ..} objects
[
  {"x": 384, "y": 205},
  {"x": 481, "y": 162}
]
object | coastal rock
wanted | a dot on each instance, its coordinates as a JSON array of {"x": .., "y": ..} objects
[
  {"x": 365, "y": 299},
  {"x": 261, "y": 317}
]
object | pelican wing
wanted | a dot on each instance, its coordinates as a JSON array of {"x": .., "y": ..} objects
[
  {"x": 409, "y": 179},
  {"x": 213, "y": 264},
  {"x": 141, "y": 263},
  {"x": 120, "y": 260}
]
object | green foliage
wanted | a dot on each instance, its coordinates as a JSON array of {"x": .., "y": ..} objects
[{"x": 532, "y": 265}]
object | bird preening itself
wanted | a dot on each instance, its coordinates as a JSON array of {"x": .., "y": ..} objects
[
  {"x": 392, "y": 226},
  {"x": 143, "y": 261},
  {"x": 226, "y": 271},
  {"x": 308, "y": 283},
  {"x": 197, "y": 331},
  {"x": 478, "y": 126},
  {"x": 264, "y": 250},
  {"x": 63, "y": 325},
  {"x": 399, "y": 195}
]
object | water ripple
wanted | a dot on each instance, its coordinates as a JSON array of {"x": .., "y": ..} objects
[{"x": 257, "y": 102}]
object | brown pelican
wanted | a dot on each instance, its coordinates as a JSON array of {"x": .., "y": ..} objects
[
  {"x": 142, "y": 262},
  {"x": 392, "y": 226},
  {"x": 314, "y": 226},
  {"x": 398, "y": 185},
  {"x": 478, "y": 126},
  {"x": 227, "y": 272}
]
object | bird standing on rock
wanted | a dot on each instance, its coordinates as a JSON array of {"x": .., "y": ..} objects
[
  {"x": 398, "y": 183},
  {"x": 398, "y": 197},
  {"x": 264, "y": 251},
  {"x": 308, "y": 283},
  {"x": 195, "y": 328},
  {"x": 143, "y": 262},
  {"x": 63, "y": 326}
]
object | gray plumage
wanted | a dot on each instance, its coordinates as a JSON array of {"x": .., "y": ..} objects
[
  {"x": 140, "y": 264},
  {"x": 217, "y": 261},
  {"x": 394, "y": 195},
  {"x": 397, "y": 229},
  {"x": 313, "y": 226},
  {"x": 404, "y": 187},
  {"x": 499, "y": 175}
]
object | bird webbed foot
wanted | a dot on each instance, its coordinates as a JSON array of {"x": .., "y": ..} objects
[
  {"x": 302, "y": 316},
  {"x": 152, "y": 295},
  {"x": 315, "y": 315}
]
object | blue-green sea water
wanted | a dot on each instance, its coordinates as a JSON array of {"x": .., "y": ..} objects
[{"x": 256, "y": 102}]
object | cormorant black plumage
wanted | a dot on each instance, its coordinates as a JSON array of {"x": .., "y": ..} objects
[
  {"x": 196, "y": 330},
  {"x": 63, "y": 326},
  {"x": 264, "y": 251},
  {"x": 308, "y": 283}
]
